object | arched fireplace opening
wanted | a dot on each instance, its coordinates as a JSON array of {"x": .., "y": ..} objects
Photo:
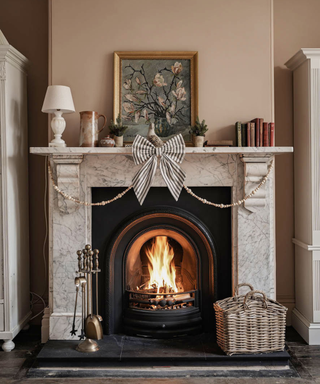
[
  {"x": 161, "y": 284},
  {"x": 161, "y": 275}
]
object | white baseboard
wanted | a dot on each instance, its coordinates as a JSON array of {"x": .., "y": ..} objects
[{"x": 310, "y": 332}]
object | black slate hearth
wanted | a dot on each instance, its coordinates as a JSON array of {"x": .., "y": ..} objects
[{"x": 126, "y": 356}]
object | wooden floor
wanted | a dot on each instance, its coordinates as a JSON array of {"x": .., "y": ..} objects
[{"x": 14, "y": 365}]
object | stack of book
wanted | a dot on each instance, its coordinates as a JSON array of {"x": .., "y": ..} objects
[{"x": 255, "y": 133}]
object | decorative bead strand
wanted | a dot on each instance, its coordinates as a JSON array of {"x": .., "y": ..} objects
[
  {"x": 239, "y": 202},
  {"x": 68, "y": 197},
  {"x": 204, "y": 201}
]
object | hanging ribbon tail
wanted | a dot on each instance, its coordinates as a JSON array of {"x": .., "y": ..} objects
[
  {"x": 173, "y": 152},
  {"x": 173, "y": 175},
  {"x": 142, "y": 180},
  {"x": 143, "y": 152}
]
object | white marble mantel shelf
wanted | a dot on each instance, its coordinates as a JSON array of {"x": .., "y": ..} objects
[{"x": 48, "y": 151}]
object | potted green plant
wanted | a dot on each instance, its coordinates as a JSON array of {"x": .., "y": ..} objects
[
  {"x": 117, "y": 130},
  {"x": 198, "y": 132}
]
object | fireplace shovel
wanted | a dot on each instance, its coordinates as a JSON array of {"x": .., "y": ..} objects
[
  {"x": 77, "y": 284},
  {"x": 93, "y": 328},
  {"x": 93, "y": 325}
]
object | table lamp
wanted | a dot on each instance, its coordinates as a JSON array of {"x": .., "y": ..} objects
[{"x": 58, "y": 100}]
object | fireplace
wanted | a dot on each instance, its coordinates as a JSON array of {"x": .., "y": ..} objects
[
  {"x": 242, "y": 238},
  {"x": 161, "y": 263}
]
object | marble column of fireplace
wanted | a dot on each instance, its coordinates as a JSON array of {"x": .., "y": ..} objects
[{"x": 253, "y": 234}]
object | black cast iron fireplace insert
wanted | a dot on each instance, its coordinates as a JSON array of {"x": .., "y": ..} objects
[
  {"x": 160, "y": 310},
  {"x": 161, "y": 266}
]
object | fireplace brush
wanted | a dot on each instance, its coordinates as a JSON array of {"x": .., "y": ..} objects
[{"x": 91, "y": 328}]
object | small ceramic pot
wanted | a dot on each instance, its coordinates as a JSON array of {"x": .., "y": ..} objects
[
  {"x": 198, "y": 141},
  {"x": 118, "y": 140},
  {"x": 107, "y": 142}
]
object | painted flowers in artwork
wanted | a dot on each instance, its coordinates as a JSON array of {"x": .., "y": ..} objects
[{"x": 159, "y": 96}]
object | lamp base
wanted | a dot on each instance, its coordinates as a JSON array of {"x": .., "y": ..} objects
[
  {"x": 58, "y": 125},
  {"x": 57, "y": 144}
]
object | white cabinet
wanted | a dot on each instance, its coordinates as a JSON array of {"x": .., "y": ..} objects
[
  {"x": 306, "y": 96},
  {"x": 14, "y": 216}
]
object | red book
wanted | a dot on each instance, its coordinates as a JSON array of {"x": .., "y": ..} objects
[
  {"x": 261, "y": 133},
  {"x": 271, "y": 126},
  {"x": 248, "y": 134},
  {"x": 252, "y": 134},
  {"x": 266, "y": 135},
  {"x": 257, "y": 124}
]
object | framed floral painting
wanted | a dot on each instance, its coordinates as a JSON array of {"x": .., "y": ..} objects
[{"x": 159, "y": 88}]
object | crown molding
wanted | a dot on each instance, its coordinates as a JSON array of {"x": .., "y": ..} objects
[
  {"x": 10, "y": 54},
  {"x": 301, "y": 56}
]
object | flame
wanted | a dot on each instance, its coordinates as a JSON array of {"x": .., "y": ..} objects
[{"x": 161, "y": 267}]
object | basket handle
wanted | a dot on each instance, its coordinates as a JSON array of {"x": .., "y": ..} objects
[
  {"x": 252, "y": 293},
  {"x": 236, "y": 289}
]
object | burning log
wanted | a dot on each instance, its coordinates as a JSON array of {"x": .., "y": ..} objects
[{"x": 183, "y": 296}]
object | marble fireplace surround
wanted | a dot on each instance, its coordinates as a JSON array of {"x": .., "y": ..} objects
[{"x": 77, "y": 170}]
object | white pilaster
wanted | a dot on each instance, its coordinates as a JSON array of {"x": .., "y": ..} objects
[{"x": 306, "y": 74}]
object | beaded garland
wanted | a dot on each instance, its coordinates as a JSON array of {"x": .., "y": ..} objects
[
  {"x": 239, "y": 202},
  {"x": 204, "y": 201}
]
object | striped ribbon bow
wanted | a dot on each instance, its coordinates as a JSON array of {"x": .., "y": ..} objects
[{"x": 171, "y": 153}]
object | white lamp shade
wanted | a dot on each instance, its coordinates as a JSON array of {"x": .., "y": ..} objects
[{"x": 58, "y": 97}]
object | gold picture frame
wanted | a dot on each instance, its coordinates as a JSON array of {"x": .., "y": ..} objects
[{"x": 164, "y": 81}]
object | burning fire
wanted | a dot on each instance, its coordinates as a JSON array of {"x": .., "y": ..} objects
[{"x": 161, "y": 267}]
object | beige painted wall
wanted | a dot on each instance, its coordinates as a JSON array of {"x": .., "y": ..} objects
[
  {"x": 233, "y": 39},
  {"x": 296, "y": 25},
  {"x": 25, "y": 25}
]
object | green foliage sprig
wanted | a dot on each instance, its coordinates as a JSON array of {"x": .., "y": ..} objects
[
  {"x": 117, "y": 129},
  {"x": 199, "y": 129}
]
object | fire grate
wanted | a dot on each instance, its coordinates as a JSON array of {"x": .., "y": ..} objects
[{"x": 159, "y": 301}]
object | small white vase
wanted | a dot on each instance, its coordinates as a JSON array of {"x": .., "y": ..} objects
[
  {"x": 118, "y": 140},
  {"x": 198, "y": 141}
]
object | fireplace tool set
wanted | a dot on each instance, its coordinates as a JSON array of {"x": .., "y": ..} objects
[{"x": 91, "y": 327}]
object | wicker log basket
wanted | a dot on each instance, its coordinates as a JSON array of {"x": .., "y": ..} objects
[{"x": 250, "y": 323}]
